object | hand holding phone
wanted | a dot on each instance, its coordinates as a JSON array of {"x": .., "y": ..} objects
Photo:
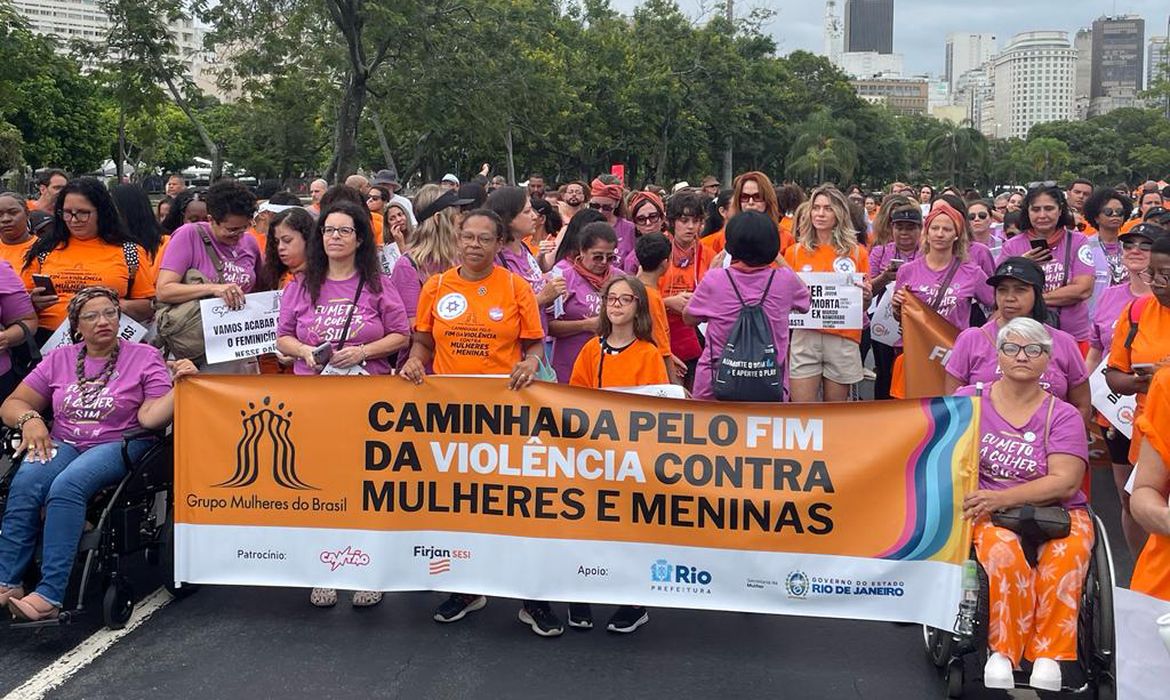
[
  {"x": 1143, "y": 368},
  {"x": 45, "y": 282},
  {"x": 322, "y": 354}
]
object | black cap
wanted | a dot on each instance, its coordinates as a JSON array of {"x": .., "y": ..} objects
[
  {"x": 907, "y": 214},
  {"x": 1021, "y": 269},
  {"x": 450, "y": 198},
  {"x": 473, "y": 191},
  {"x": 1150, "y": 231},
  {"x": 1155, "y": 213}
]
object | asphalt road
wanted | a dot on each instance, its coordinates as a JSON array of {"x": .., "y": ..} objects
[{"x": 257, "y": 642}]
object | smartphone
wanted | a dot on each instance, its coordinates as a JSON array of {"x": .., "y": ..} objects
[
  {"x": 322, "y": 354},
  {"x": 46, "y": 282},
  {"x": 1041, "y": 244},
  {"x": 1143, "y": 367},
  {"x": 896, "y": 263}
]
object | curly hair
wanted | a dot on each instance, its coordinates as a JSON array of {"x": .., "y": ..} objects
[
  {"x": 228, "y": 197},
  {"x": 1102, "y": 196}
]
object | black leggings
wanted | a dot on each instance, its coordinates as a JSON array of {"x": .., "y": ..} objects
[{"x": 883, "y": 367}]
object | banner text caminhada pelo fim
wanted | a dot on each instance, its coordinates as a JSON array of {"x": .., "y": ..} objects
[{"x": 534, "y": 460}]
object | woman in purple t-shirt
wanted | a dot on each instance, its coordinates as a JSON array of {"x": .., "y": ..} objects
[
  {"x": 99, "y": 389},
  {"x": 1033, "y": 450},
  {"x": 573, "y": 319}
]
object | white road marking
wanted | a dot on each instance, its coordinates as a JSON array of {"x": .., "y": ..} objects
[{"x": 77, "y": 658}]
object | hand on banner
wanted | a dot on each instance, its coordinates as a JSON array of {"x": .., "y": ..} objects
[
  {"x": 678, "y": 302},
  {"x": 982, "y": 503},
  {"x": 181, "y": 368},
  {"x": 524, "y": 373},
  {"x": 231, "y": 294},
  {"x": 41, "y": 300},
  {"x": 413, "y": 371},
  {"x": 896, "y": 302},
  {"x": 866, "y": 290},
  {"x": 348, "y": 357}
]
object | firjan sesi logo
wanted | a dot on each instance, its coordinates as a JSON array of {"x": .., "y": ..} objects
[{"x": 266, "y": 444}]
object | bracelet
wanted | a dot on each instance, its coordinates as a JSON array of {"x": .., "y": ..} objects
[
  {"x": 26, "y": 417},
  {"x": 365, "y": 355}
]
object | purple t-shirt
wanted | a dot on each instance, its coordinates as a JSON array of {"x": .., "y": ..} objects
[
  {"x": 715, "y": 302},
  {"x": 407, "y": 281},
  {"x": 974, "y": 359},
  {"x": 241, "y": 262},
  {"x": 580, "y": 301},
  {"x": 15, "y": 304},
  {"x": 969, "y": 282},
  {"x": 1074, "y": 319},
  {"x": 880, "y": 257},
  {"x": 1010, "y": 455},
  {"x": 982, "y": 257},
  {"x": 139, "y": 375},
  {"x": 1108, "y": 312},
  {"x": 376, "y": 316},
  {"x": 626, "y": 235}
]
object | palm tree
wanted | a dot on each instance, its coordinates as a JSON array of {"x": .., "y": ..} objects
[
  {"x": 820, "y": 148},
  {"x": 955, "y": 148}
]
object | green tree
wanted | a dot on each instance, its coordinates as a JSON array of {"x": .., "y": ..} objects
[
  {"x": 1150, "y": 162},
  {"x": 1047, "y": 156},
  {"x": 957, "y": 149},
  {"x": 820, "y": 149}
]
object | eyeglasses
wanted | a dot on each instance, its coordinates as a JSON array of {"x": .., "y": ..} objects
[
  {"x": 239, "y": 231},
  {"x": 1154, "y": 279},
  {"x": 1144, "y": 246},
  {"x": 648, "y": 219},
  {"x": 338, "y": 231},
  {"x": 1031, "y": 350},
  {"x": 110, "y": 314},
  {"x": 607, "y": 208},
  {"x": 746, "y": 198},
  {"x": 619, "y": 300},
  {"x": 1109, "y": 211},
  {"x": 603, "y": 257},
  {"x": 977, "y": 216},
  {"x": 81, "y": 216},
  {"x": 471, "y": 238}
]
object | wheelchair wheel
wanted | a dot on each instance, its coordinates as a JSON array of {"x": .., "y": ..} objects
[
  {"x": 940, "y": 645},
  {"x": 117, "y": 604},
  {"x": 954, "y": 677},
  {"x": 1098, "y": 628}
]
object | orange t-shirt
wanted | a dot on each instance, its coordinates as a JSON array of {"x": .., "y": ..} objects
[
  {"x": 825, "y": 259},
  {"x": 478, "y": 326},
  {"x": 658, "y": 317},
  {"x": 717, "y": 241},
  {"x": 1150, "y": 345},
  {"x": 685, "y": 279},
  {"x": 1129, "y": 224},
  {"x": 638, "y": 364},
  {"x": 376, "y": 224},
  {"x": 260, "y": 238},
  {"x": 86, "y": 263},
  {"x": 1151, "y": 574},
  {"x": 14, "y": 255}
]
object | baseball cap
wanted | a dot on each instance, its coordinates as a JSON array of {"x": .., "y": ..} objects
[
  {"x": 450, "y": 177},
  {"x": 1150, "y": 231},
  {"x": 1021, "y": 269},
  {"x": 474, "y": 193},
  {"x": 913, "y": 214},
  {"x": 450, "y": 198}
]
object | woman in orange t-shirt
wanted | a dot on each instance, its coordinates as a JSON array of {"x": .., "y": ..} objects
[
  {"x": 15, "y": 235},
  {"x": 1151, "y": 574},
  {"x": 826, "y": 362},
  {"x": 87, "y": 245},
  {"x": 689, "y": 260},
  {"x": 480, "y": 318}
]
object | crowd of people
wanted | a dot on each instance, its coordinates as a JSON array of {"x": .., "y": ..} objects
[{"x": 593, "y": 285}]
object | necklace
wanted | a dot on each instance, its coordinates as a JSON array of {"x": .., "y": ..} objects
[{"x": 90, "y": 387}]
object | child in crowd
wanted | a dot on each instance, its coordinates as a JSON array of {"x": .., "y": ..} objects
[{"x": 653, "y": 251}]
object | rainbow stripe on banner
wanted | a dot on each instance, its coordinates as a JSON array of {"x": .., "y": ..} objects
[{"x": 935, "y": 527}]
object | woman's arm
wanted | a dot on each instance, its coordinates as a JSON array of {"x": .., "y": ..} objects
[
  {"x": 1080, "y": 397},
  {"x": 170, "y": 289},
  {"x": 422, "y": 353},
  {"x": 1065, "y": 473},
  {"x": 14, "y": 335},
  {"x": 141, "y": 310},
  {"x": 159, "y": 412},
  {"x": 566, "y": 329},
  {"x": 1128, "y": 384},
  {"x": 35, "y": 437},
  {"x": 1077, "y": 290},
  {"x": 1151, "y": 489}
]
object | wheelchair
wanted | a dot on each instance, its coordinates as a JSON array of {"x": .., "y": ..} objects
[
  {"x": 961, "y": 657},
  {"x": 134, "y": 515}
]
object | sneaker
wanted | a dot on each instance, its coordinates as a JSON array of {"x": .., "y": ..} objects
[
  {"x": 581, "y": 616},
  {"x": 868, "y": 375},
  {"x": 1046, "y": 675},
  {"x": 541, "y": 618},
  {"x": 323, "y": 597},
  {"x": 998, "y": 672},
  {"x": 457, "y": 606},
  {"x": 627, "y": 619},
  {"x": 366, "y": 599}
]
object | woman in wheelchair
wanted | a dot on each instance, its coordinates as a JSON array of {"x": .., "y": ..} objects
[
  {"x": 1033, "y": 451},
  {"x": 98, "y": 388}
]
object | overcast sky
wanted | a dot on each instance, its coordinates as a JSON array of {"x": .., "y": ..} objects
[{"x": 921, "y": 26}]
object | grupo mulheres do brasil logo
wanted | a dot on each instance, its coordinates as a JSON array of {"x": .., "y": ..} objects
[{"x": 265, "y": 445}]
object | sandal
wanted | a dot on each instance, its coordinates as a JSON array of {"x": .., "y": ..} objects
[
  {"x": 323, "y": 597},
  {"x": 7, "y": 593},
  {"x": 33, "y": 608},
  {"x": 366, "y": 599}
]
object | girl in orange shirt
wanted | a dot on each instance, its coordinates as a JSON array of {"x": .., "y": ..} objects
[{"x": 623, "y": 355}]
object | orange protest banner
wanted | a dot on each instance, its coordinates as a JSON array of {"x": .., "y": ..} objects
[{"x": 927, "y": 340}]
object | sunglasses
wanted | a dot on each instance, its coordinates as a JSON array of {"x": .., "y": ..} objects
[
  {"x": 977, "y": 216},
  {"x": 749, "y": 198},
  {"x": 603, "y": 257},
  {"x": 647, "y": 219},
  {"x": 1144, "y": 246},
  {"x": 1109, "y": 211},
  {"x": 607, "y": 208}
]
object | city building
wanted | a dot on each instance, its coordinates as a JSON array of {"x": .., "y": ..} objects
[
  {"x": 972, "y": 92},
  {"x": 834, "y": 33},
  {"x": 1082, "y": 84},
  {"x": 67, "y": 20},
  {"x": 1034, "y": 78},
  {"x": 904, "y": 96},
  {"x": 965, "y": 52},
  {"x": 1157, "y": 60},
  {"x": 1117, "y": 66},
  {"x": 869, "y": 26},
  {"x": 870, "y": 64}
]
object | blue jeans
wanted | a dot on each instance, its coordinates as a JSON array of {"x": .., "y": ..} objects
[{"x": 63, "y": 486}]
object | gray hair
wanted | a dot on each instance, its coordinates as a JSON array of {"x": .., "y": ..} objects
[{"x": 1031, "y": 330}]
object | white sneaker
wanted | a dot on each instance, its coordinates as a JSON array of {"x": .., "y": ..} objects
[
  {"x": 869, "y": 375},
  {"x": 998, "y": 673},
  {"x": 1046, "y": 675}
]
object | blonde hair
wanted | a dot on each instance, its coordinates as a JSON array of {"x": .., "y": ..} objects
[
  {"x": 844, "y": 238},
  {"x": 961, "y": 244},
  {"x": 433, "y": 243}
]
